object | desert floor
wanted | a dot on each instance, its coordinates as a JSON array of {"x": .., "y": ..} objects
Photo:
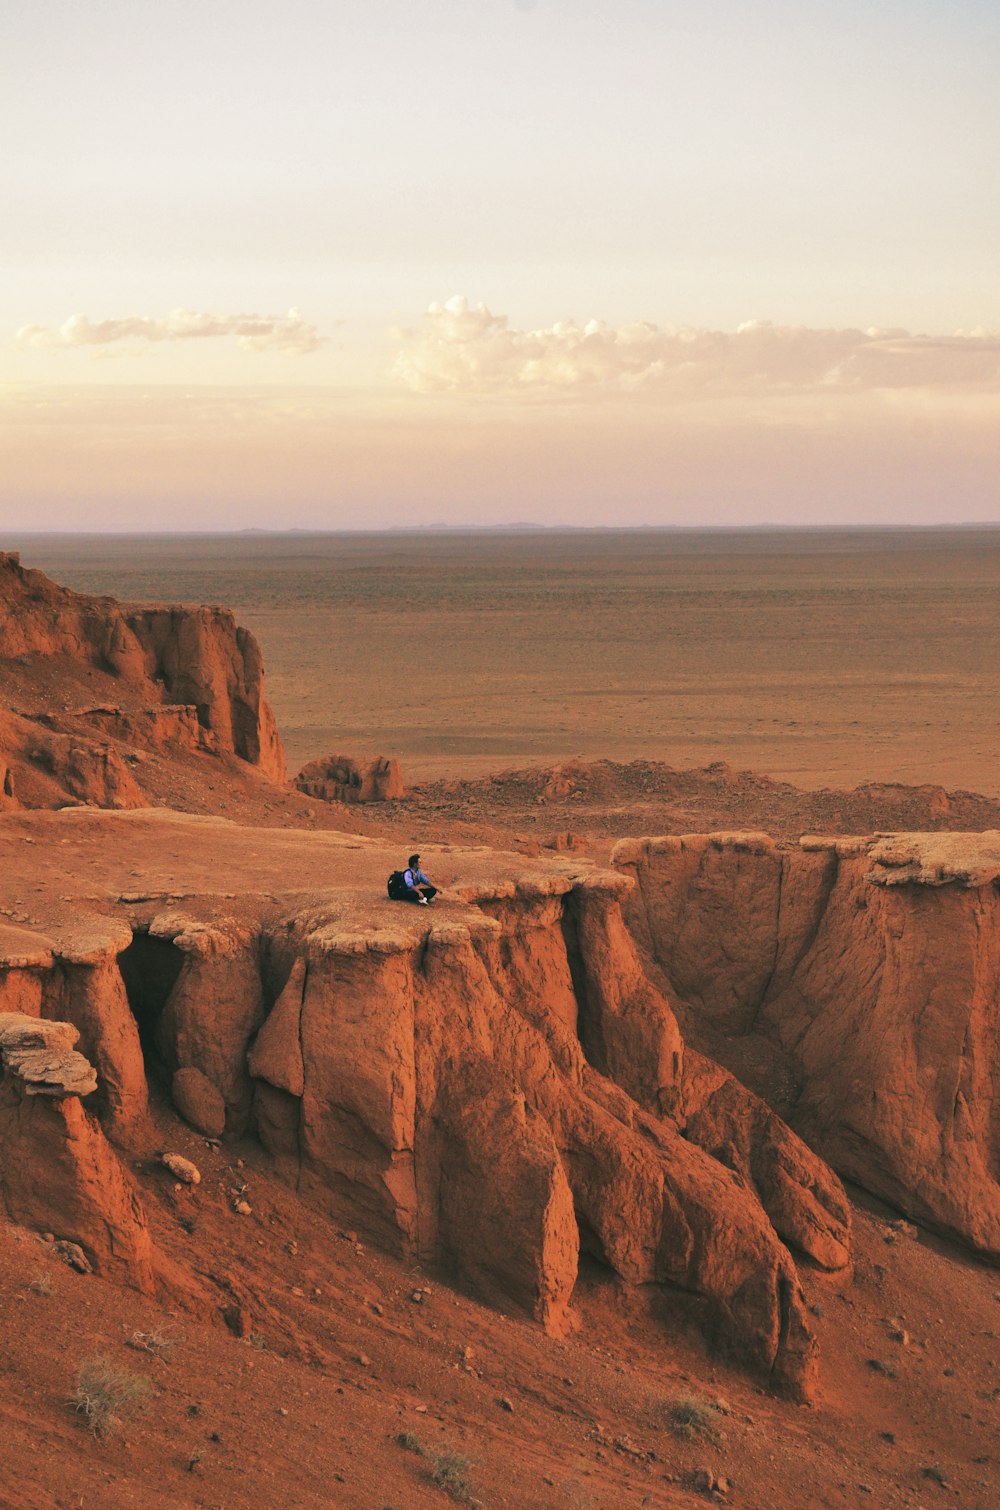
[{"x": 825, "y": 658}]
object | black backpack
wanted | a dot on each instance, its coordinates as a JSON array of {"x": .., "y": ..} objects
[{"x": 396, "y": 886}]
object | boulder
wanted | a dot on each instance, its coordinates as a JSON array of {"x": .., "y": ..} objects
[
  {"x": 221, "y": 966},
  {"x": 182, "y": 1169}
]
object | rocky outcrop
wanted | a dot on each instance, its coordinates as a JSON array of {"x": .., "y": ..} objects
[
  {"x": 185, "y": 679},
  {"x": 494, "y": 1085},
  {"x": 41, "y": 1057},
  {"x": 169, "y": 727},
  {"x": 856, "y": 982},
  {"x": 340, "y": 778},
  {"x": 57, "y": 1171},
  {"x": 436, "y": 1084},
  {"x": 205, "y": 660},
  {"x": 84, "y": 771}
]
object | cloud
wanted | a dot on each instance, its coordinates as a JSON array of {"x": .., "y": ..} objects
[
  {"x": 467, "y": 349},
  {"x": 286, "y": 333}
]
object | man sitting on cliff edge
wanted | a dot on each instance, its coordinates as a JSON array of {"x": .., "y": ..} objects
[{"x": 417, "y": 886}]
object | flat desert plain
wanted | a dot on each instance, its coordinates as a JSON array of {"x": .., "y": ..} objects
[{"x": 822, "y": 657}]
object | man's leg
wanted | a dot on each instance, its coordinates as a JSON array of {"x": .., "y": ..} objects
[{"x": 430, "y": 892}]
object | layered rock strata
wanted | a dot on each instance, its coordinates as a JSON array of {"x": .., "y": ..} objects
[
  {"x": 57, "y": 1171},
  {"x": 493, "y": 1085},
  {"x": 857, "y": 983},
  {"x": 185, "y": 679}
]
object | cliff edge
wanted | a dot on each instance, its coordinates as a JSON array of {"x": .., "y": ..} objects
[
  {"x": 855, "y": 983},
  {"x": 492, "y": 1085},
  {"x": 91, "y": 689}
]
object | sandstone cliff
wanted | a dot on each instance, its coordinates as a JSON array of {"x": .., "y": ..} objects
[
  {"x": 493, "y": 1085},
  {"x": 57, "y": 1171},
  {"x": 178, "y": 679},
  {"x": 856, "y": 983}
]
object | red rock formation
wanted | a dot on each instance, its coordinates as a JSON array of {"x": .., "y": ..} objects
[
  {"x": 86, "y": 772},
  {"x": 198, "y": 1101},
  {"x": 8, "y": 801},
  {"x": 184, "y": 678},
  {"x": 868, "y": 973},
  {"x": 340, "y": 778},
  {"x": 204, "y": 659},
  {"x": 26, "y": 970},
  {"x": 172, "y": 726},
  {"x": 41, "y": 1057},
  {"x": 493, "y": 1088},
  {"x": 94, "y": 999},
  {"x": 57, "y": 1172},
  {"x": 436, "y": 1085}
]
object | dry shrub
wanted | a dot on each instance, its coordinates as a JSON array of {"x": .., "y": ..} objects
[
  {"x": 106, "y": 1395},
  {"x": 449, "y": 1471},
  {"x": 689, "y": 1417}
]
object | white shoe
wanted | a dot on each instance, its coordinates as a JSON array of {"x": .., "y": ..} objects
[{"x": 423, "y": 901}]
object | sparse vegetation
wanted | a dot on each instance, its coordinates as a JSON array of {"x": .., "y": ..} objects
[
  {"x": 256, "y": 1340},
  {"x": 106, "y": 1395},
  {"x": 410, "y": 1443},
  {"x": 689, "y": 1417},
  {"x": 41, "y": 1284},
  {"x": 450, "y": 1472}
]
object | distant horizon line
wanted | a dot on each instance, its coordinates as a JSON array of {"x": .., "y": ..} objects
[{"x": 522, "y": 528}]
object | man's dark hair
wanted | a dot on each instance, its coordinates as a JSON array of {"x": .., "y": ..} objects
[{"x": 413, "y": 860}]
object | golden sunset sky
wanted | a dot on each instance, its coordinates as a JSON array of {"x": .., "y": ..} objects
[{"x": 327, "y": 265}]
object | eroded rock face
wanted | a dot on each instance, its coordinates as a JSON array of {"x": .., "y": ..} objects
[
  {"x": 8, "y": 799},
  {"x": 435, "y": 1084},
  {"x": 189, "y": 680},
  {"x": 869, "y": 972},
  {"x": 340, "y": 778},
  {"x": 40, "y": 1056},
  {"x": 494, "y": 1084},
  {"x": 198, "y": 1101},
  {"x": 57, "y": 1171},
  {"x": 86, "y": 772}
]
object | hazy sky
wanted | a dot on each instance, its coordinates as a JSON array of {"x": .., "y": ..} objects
[{"x": 322, "y": 264}]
